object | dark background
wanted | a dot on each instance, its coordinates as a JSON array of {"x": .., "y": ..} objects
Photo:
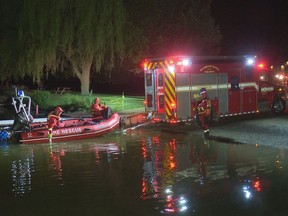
[{"x": 253, "y": 27}]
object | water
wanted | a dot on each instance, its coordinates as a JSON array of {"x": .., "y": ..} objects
[{"x": 144, "y": 172}]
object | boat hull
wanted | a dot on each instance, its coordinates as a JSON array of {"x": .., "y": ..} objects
[{"x": 74, "y": 130}]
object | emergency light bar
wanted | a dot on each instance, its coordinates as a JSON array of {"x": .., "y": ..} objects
[
  {"x": 20, "y": 93},
  {"x": 250, "y": 61},
  {"x": 184, "y": 62},
  {"x": 171, "y": 68}
]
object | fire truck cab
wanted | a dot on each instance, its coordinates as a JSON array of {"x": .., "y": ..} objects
[{"x": 236, "y": 85}]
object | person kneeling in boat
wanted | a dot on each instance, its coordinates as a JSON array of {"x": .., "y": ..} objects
[
  {"x": 54, "y": 119},
  {"x": 100, "y": 109}
]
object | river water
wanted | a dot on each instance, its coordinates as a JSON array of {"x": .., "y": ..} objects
[{"x": 143, "y": 172}]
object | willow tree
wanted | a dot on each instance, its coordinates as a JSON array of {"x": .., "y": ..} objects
[
  {"x": 8, "y": 39},
  {"x": 71, "y": 35},
  {"x": 176, "y": 27}
]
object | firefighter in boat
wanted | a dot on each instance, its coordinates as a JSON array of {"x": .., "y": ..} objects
[
  {"x": 204, "y": 111},
  {"x": 99, "y": 109},
  {"x": 54, "y": 120}
]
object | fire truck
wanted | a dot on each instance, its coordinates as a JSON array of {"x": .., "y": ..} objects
[{"x": 236, "y": 85}]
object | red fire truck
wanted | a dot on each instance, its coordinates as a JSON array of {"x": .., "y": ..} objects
[{"x": 236, "y": 85}]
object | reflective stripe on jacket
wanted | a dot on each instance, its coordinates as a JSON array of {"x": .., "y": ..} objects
[{"x": 204, "y": 108}]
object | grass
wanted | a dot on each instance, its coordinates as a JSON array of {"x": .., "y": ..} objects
[
  {"x": 77, "y": 102},
  {"x": 72, "y": 102}
]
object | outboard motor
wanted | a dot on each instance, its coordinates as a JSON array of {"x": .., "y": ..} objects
[
  {"x": 20, "y": 122},
  {"x": 22, "y": 118},
  {"x": 22, "y": 106}
]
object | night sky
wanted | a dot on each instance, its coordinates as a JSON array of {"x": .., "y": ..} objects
[{"x": 253, "y": 27}]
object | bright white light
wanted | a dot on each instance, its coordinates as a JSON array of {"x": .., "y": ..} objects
[
  {"x": 185, "y": 62},
  {"x": 247, "y": 193},
  {"x": 250, "y": 61},
  {"x": 168, "y": 191},
  {"x": 183, "y": 208},
  {"x": 182, "y": 200},
  {"x": 279, "y": 76},
  {"x": 171, "y": 68}
]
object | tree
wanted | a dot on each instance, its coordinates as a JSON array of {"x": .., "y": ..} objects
[
  {"x": 70, "y": 35},
  {"x": 8, "y": 39},
  {"x": 108, "y": 37},
  {"x": 160, "y": 28},
  {"x": 176, "y": 27}
]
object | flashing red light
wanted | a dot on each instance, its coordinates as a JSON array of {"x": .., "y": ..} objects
[
  {"x": 173, "y": 121},
  {"x": 261, "y": 65},
  {"x": 145, "y": 65}
]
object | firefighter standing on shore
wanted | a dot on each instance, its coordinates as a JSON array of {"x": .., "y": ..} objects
[{"x": 204, "y": 111}]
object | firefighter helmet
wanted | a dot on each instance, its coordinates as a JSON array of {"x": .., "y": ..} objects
[
  {"x": 58, "y": 110},
  {"x": 203, "y": 91}
]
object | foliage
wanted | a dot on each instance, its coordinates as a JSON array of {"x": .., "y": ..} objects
[
  {"x": 175, "y": 27},
  {"x": 41, "y": 98},
  {"x": 47, "y": 101},
  {"x": 69, "y": 36},
  {"x": 77, "y": 102},
  {"x": 104, "y": 36},
  {"x": 8, "y": 40}
]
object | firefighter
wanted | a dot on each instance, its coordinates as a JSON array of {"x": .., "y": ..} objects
[
  {"x": 204, "y": 111},
  {"x": 54, "y": 120},
  {"x": 100, "y": 109}
]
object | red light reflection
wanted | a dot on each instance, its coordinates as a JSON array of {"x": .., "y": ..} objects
[{"x": 257, "y": 184}]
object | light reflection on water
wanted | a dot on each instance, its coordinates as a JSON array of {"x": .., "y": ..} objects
[
  {"x": 21, "y": 172},
  {"x": 144, "y": 172}
]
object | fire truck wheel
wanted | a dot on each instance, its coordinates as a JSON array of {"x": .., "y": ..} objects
[{"x": 278, "y": 106}]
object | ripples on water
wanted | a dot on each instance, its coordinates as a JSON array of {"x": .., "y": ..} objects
[{"x": 142, "y": 173}]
